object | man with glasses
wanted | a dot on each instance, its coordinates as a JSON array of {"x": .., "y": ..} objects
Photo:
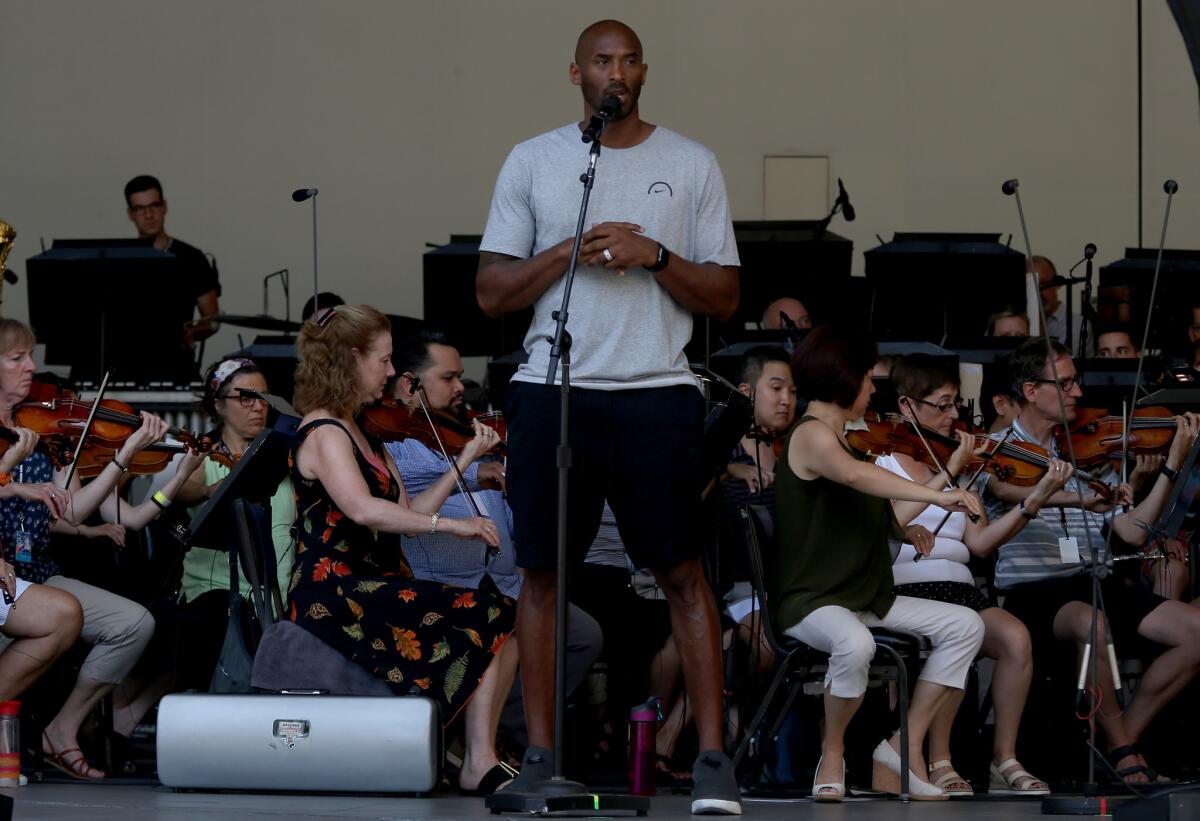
[
  {"x": 1042, "y": 570},
  {"x": 147, "y": 210}
]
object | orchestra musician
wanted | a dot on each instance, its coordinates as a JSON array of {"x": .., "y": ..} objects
[
  {"x": 1042, "y": 570},
  {"x": 352, "y": 586},
  {"x": 660, "y": 247},
  {"x": 830, "y": 576},
  {"x": 39, "y": 504},
  {"x": 929, "y": 396},
  {"x": 793, "y": 309},
  {"x": 146, "y": 208},
  {"x": 430, "y": 356}
]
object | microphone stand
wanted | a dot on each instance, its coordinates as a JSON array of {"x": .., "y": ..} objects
[
  {"x": 1087, "y": 314},
  {"x": 557, "y": 794}
]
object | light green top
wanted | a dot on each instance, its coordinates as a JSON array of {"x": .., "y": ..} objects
[{"x": 205, "y": 569}]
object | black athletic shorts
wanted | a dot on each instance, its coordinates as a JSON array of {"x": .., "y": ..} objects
[
  {"x": 1037, "y": 604},
  {"x": 639, "y": 449}
]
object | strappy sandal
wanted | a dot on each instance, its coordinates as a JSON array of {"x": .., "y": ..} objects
[
  {"x": 1004, "y": 780},
  {"x": 493, "y": 779},
  {"x": 952, "y": 784},
  {"x": 1117, "y": 753},
  {"x": 668, "y": 777},
  {"x": 76, "y": 767}
]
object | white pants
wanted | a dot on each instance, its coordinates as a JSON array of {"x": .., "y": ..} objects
[{"x": 955, "y": 633}]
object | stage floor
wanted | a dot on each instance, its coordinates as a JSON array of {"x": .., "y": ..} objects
[{"x": 145, "y": 803}]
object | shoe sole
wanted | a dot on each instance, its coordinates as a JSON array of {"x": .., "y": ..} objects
[{"x": 716, "y": 806}]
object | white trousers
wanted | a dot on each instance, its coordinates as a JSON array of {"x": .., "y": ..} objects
[{"x": 955, "y": 633}]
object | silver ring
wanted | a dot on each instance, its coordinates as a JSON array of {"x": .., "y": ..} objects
[{"x": 608, "y": 255}]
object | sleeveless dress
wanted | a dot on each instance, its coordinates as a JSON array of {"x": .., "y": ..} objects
[{"x": 353, "y": 589}]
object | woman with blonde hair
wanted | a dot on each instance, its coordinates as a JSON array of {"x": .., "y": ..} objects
[{"x": 352, "y": 586}]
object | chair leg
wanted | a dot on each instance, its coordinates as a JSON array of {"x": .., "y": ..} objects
[
  {"x": 759, "y": 716},
  {"x": 902, "y": 687}
]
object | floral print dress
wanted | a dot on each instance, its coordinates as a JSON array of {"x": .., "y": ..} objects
[{"x": 353, "y": 589}]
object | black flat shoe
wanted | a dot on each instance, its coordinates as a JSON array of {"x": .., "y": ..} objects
[{"x": 492, "y": 780}]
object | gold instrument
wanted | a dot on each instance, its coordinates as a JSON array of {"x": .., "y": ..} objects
[{"x": 7, "y": 235}]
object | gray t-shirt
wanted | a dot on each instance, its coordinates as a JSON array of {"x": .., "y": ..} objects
[{"x": 628, "y": 331}]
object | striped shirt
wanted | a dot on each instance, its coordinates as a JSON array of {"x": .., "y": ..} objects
[{"x": 1033, "y": 554}]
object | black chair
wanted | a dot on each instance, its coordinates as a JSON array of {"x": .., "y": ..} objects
[{"x": 798, "y": 663}]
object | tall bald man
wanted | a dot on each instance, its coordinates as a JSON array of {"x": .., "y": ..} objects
[
  {"x": 660, "y": 247},
  {"x": 793, "y": 309}
]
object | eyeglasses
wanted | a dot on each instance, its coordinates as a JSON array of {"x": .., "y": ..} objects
[
  {"x": 157, "y": 205},
  {"x": 1069, "y": 384},
  {"x": 243, "y": 399},
  {"x": 942, "y": 407}
]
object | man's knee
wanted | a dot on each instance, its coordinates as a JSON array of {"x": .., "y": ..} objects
[{"x": 684, "y": 581}]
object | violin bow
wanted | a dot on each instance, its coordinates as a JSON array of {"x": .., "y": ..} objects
[
  {"x": 418, "y": 391},
  {"x": 974, "y": 477},
  {"x": 87, "y": 429}
]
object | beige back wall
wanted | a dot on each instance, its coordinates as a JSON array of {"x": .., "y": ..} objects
[{"x": 402, "y": 112}]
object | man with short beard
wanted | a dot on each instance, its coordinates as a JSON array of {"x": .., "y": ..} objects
[{"x": 660, "y": 247}]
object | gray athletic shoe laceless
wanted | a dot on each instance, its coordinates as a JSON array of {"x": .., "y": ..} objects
[
  {"x": 715, "y": 790},
  {"x": 537, "y": 765}
]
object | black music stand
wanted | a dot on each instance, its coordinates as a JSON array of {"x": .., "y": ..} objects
[
  {"x": 238, "y": 514},
  {"x": 83, "y": 305}
]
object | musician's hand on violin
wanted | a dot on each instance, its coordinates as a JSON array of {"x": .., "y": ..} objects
[
  {"x": 1186, "y": 427},
  {"x": 52, "y": 496},
  {"x": 485, "y": 441},
  {"x": 19, "y": 451},
  {"x": 960, "y": 501},
  {"x": 920, "y": 538},
  {"x": 8, "y": 577},
  {"x": 188, "y": 462},
  {"x": 750, "y": 475},
  {"x": 152, "y": 430},
  {"x": 114, "y": 532},
  {"x": 1146, "y": 468},
  {"x": 491, "y": 476},
  {"x": 626, "y": 245},
  {"x": 475, "y": 527},
  {"x": 1176, "y": 550},
  {"x": 963, "y": 453},
  {"x": 1053, "y": 480}
]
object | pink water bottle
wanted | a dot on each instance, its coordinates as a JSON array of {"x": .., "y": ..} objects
[
  {"x": 10, "y": 744},
  {"x": 643, "y": 727}
]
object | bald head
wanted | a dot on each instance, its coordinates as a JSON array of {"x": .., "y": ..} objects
[
  {"x": 590, "y": 36},
  {"x": 793, "y": 308}
]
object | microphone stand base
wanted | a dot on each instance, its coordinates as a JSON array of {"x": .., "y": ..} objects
[
  {"x": 557, "y": 796},
  {"x": 1081, "y": 805}
]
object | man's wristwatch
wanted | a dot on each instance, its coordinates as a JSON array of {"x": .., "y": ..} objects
[
  {"x": 1169, "y": 473},
  {"x": 664, "y": 256}
]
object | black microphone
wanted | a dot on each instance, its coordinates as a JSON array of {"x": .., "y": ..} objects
[
  {"x": 1089, "y": 250},
  {"x": 301, "y": 194},
  {"x": 10, "y": 276},
  {"x": 1170, "y": 186},
  {"x": 847, "y": 208},
  {"x": 609, "y": 107},
  {"x": 1009, "y": 188}
]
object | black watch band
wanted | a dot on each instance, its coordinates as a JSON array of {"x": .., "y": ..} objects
[
  {"x": 1169, "y": 473},
  {"x": 664, "y": 256}
]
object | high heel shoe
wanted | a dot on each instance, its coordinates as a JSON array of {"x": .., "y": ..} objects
[
  {"x": 885, "y": 776},
  {"x": 832, "y": 792}
]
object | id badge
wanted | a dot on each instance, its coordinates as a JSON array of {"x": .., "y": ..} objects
[
  {"x": 1068, "y": 550},
  {"x": 24, "y": 546}
]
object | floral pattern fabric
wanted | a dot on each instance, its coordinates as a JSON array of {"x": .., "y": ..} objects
[{"x": 353, "y": 589}]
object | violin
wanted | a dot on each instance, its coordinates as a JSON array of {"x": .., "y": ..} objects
[
  {"x": 393, "y": 421},
  {"x": 1018, "y": 463},
  {"x": 153, "y": 459},
  {"x": 1098, "y": 436}
]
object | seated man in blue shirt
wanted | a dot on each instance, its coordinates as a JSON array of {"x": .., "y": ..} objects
[{"x": 436, "y": 363}]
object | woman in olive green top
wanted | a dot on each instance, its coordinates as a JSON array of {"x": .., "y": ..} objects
[{"x": 831, "y": 576}]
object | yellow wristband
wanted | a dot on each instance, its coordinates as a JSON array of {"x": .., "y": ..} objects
[{"x": 161, "y": 499}]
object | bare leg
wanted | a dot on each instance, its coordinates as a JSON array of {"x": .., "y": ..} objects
[
  {"x": 698, "y": 635},
  {"x": 1176, "y": 626},
  {"x": 838, "y": 712},
  {"x": 482, "y": 715},
  {"x": 63, "y": 729},
  {"x": 535, "y": 626},
  {"x": 132, "y": 699},
  {"x": 44, "y": 623},
  {"x": 927, "y": 699},
  {"x": 939, "y": 737},
  {"x": 1007, "y": 640},
  {"x": 665, "y": 669}
]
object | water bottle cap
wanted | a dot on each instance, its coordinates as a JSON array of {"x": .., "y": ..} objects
[
  {"x": 650, "y": 711},
  {"x": 9, "y": 708}
]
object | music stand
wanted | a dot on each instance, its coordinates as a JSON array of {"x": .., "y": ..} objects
[{"x": 224, "y": 519}]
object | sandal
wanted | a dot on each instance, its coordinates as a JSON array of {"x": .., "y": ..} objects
[
  {"x": 76, "y": 768},
  {"x": 1152, "y": 776},
  {"x": 492, "y": 780},
  {"x": 1005, "y": 778},
  {"x": 668, "y": 777},
  {"x": 952, "y": 784}
]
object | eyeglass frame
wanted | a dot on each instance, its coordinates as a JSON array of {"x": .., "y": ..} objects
[
  {"x": 940, "y": 407},
  {"x": 244, "y": 399},
  {"x": 1069, "y": 384},
  {"x": 157, "y": 205}
]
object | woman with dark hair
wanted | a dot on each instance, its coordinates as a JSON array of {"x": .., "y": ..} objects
[
  {"x": 830, "y": 577},
  {"x": 352, "y": 586},
  {"x": 929, "y": 396}
]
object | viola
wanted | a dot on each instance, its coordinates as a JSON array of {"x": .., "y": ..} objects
[
  {"x": 1017, "y": 463},
  {"x": 1098, "y": 436}
]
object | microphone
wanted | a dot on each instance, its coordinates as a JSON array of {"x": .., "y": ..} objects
[
  {"x": 1089, "y": 250},
  {"x": 1009, "y": 188},
  {"x": 301, "y": 194},
  {"x": 10, "y": 276},
  {"x": 847, "y": 209},
  {"x": 609, "y": 107},
  {"x": 1170, "y": 186}
]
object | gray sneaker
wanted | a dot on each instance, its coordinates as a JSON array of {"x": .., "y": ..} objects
[
  {"x": 715, "y": 790},
  {"x": 537, "y": 765}
]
